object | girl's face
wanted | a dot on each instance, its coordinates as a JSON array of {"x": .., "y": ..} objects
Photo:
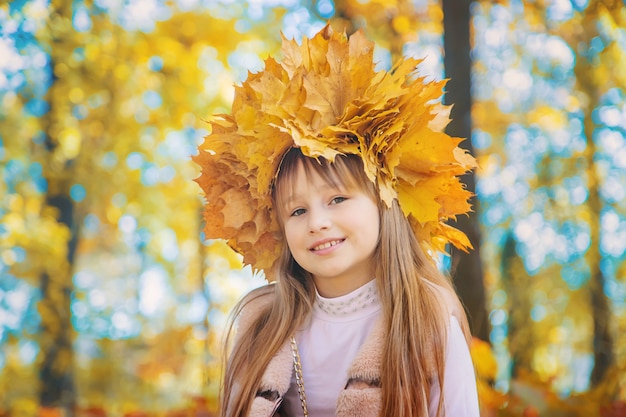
[{"x": 331, "y": 230}]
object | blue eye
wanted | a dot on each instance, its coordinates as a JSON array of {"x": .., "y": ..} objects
[
  {"x": 298, "y": 212},
  {"x": 337, "y": 200}
]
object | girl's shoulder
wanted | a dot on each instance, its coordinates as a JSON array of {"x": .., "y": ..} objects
[
  {"x": 253, "y": 304},
  {"x": 451, "y": 306},
  {"x": 449, "y": 299}
]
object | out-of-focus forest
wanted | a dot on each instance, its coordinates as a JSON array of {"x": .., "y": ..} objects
[{"x": 113, "y": 304}]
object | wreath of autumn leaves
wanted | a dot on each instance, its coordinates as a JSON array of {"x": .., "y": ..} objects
[{"x": 326, "y": 98}]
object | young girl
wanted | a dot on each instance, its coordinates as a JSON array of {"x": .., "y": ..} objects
[{"x": 337, "y": 181}]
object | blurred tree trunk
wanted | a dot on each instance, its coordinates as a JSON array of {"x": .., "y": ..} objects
[
  {"x": 592, "y": 82},
  {"x": 515, "y": 282},
  {"x": 56, "y": 335},
  {"x": 466, "y": 270},
  {"x": 57, "y": 389},
  {"x": 603, "y": 349}
]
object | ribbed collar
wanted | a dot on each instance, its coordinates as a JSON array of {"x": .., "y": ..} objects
[{"x": 358, "y": 303}]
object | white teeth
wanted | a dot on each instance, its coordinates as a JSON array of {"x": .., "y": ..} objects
[{"x": 326, "y": 245}]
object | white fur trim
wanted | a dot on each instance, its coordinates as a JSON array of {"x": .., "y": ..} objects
[
  {"x": 277, "y": 375},
  {"x": 365, "y": 402},
  {"x": 262, "y": 407}
]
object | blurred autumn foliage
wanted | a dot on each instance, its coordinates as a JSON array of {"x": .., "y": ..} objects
[{"x": 112, "y": 303}]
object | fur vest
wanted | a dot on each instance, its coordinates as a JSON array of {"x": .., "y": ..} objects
[{"x": 362, "y": 397}]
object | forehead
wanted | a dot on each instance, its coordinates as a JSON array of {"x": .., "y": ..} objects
[{"x": 308, "y": 172}]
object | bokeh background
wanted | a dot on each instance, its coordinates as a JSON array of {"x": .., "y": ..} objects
[{"x": 111, "y": 301}]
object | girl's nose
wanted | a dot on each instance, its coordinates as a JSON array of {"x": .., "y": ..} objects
[{"x": 318, "y": 220}]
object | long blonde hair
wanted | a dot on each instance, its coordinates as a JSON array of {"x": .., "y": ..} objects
[{"x": 415, "y": 314}]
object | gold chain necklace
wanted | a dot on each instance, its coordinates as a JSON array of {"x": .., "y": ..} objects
[{"x": 297, "y": 366}]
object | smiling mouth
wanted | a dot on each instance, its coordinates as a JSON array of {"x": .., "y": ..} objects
[{"x": 326, "y": 245}]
